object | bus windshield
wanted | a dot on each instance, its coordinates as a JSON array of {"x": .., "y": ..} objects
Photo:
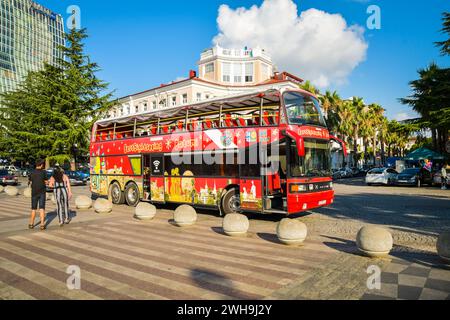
[
  {"x": 315, "y": 163},
  {"x": 303, "y": 109}
]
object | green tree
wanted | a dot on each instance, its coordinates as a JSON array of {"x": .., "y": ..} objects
[
  {"x": 52, "y": 112},
  {"x": 431, "y": 99},
  {"x": 308, "y": 86},
  {"x": 445, "y": 45}
]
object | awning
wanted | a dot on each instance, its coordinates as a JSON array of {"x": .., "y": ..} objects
[{"x": 422, "y": 154}]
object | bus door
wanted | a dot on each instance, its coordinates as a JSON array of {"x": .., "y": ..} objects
[
  {"x": 157, "y": 185},
  {"x": 271, "y": 178},
  {"x": 146, "y": 165},
  {"x": 250, "y": 180}
]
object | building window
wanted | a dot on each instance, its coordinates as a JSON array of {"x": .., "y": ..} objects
[
  {"x": 199, "y": 96},
  {"x": 226, "y": 72},
  {"x": 237, "y": 71},
  {"x": 162, "y": 103},
  {"x": 207, "y": 96},
  {"x": 145, "y": 107},
  {"x": 249, "y": 72},
  {"x": 136, "y": 109},
  {"x": 174, "y": 101},
  {"x": 185, "y": 98},
  {"x": 154, "y": 105},
  {"x": 209, "y": 68},
  {"x": 265, "y": 71}
]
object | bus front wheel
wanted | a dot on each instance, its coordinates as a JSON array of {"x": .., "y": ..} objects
[
  {"x": 231, "y": 202},
  {"x": 115, "y": 194},
  {"x": 132, "y": 194}
]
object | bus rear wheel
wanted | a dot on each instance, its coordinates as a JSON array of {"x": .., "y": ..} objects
[
  {"x": 132, "y": 194},
  {"x": 115, "y": 194},
  {"x": 231, "y": 202}
]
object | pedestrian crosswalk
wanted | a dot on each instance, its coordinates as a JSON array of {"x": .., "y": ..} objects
[{"x": 122, "y": 258}]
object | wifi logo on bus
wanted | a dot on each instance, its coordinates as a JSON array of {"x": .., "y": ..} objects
[{"x": 156, "y": 163}]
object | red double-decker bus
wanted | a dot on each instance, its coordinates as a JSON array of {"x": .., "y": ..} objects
[{"x": 266, "y": 152}]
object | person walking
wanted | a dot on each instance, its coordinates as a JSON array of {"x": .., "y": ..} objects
[
  {"x": 38, "y": 181},
  {"x": 444, "y": 177},
  {"x": 63, "y": 193}
]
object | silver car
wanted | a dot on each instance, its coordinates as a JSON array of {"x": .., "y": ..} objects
[{"x": 384, "y": 176}]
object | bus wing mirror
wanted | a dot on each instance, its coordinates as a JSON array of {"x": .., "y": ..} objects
[
  {"x": 298, "y": 140},
  {"x": 341, "y": 143}
]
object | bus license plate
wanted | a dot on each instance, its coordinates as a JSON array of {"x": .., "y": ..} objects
[{"x": 323, "y": 202}]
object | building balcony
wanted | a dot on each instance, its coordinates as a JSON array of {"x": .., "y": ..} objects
[{"x": 218, "y": 51}]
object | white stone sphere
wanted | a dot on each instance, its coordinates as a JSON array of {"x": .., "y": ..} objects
[
  {"x": 103, "y": 206},
  {"x": 83, "y": 202},
  {"x": 27, "y": 192},
  {"x": 291, "y": 231},
  {"x": 374, "y": 241},
  {"x": 443, "y": 246},
  {"x": 235, "y": 224},
  {"x": 11, "y": 191},
  {"x": 184, "y": 215},
  {"x": 145, "y": 211},
  {"x": 2, "y": 189}
]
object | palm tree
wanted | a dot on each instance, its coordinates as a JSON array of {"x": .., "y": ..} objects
[
  {"x": 383, "y": 136},
  {"x": 445, "y": 45},
  {"x": 431, "y": 100},
  {"x": 357, "y": 107},
  {"x": 308, "y": 86},
  {"x": 330, "y": 105},
  {"x": 345, "y": 124},
  {"x": 366, "y": 128},
  {"x": 377, "y": 113}
]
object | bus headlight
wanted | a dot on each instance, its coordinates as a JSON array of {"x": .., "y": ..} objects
[{"x": 295, "y": 188}]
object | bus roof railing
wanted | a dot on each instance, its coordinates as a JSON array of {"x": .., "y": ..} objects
[{"x": 251, "y": 99}]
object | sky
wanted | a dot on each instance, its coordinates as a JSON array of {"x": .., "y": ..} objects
[{"x": 141, "y": 44}]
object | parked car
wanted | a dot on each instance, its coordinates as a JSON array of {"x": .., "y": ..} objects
[
  {"x": 385, "y": 176},
  {"x": 8, "y": 179},
  {"x": 336, "y": 174},
  {"x": 84, "y": 173},
  {"x": 437, "y": 181},
  {"x": 346, "y": 172},
  {"x": 11, "y": 169},
  {"x": 414, "y": 177},
  {"x": 76, "y": 179}
]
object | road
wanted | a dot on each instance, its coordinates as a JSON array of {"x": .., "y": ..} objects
[{"x": 121, "y": 258}]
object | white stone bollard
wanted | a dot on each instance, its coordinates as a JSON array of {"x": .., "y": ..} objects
[
  {"x": 27, "y": 192},
  {"x": 145, "y": 211},
  {"x": 2, "y": 189},
  {"x": 103, "y": 206},
  {"x": 83, "y": 202},
  {"x": 374, "y": 241},
  {"x": 291, "y": 231},
  {"x": 235, "y": 224},
  {"x": 443, "y": 246},
  {"x": 11, "y": 191},
  {"x": 184, "y": 215}
]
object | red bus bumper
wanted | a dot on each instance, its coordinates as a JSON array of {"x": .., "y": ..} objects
[{"x": 306, "y": 201}]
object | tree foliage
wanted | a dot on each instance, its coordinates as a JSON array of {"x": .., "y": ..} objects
[{"x": 52, "y": 111}]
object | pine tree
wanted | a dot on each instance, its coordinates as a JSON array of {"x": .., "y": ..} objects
[{"x": 51, "y": 114}]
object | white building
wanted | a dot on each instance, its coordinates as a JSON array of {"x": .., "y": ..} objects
[{"x": 222, "y": 72}]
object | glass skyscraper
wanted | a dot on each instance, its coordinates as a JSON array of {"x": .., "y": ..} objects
[{"x": 29, "y": 36}]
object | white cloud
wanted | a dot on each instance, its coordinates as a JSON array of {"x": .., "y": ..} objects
[
  {"x": 315, "y": 45},
  {"x": 403, "y": 116}
]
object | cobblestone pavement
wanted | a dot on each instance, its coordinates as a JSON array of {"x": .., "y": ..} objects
[{"x": 121, "y": 258}]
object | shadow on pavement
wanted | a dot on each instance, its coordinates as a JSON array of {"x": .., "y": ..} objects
[
  {"x": 427, "y": 259},
  {"x": 413, "y": 213},
  {"x": 342, "y": 245},
  {"x": 214, "y": 281}
]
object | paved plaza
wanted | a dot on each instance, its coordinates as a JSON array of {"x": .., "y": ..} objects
[{"x": 122, "y": 258}]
